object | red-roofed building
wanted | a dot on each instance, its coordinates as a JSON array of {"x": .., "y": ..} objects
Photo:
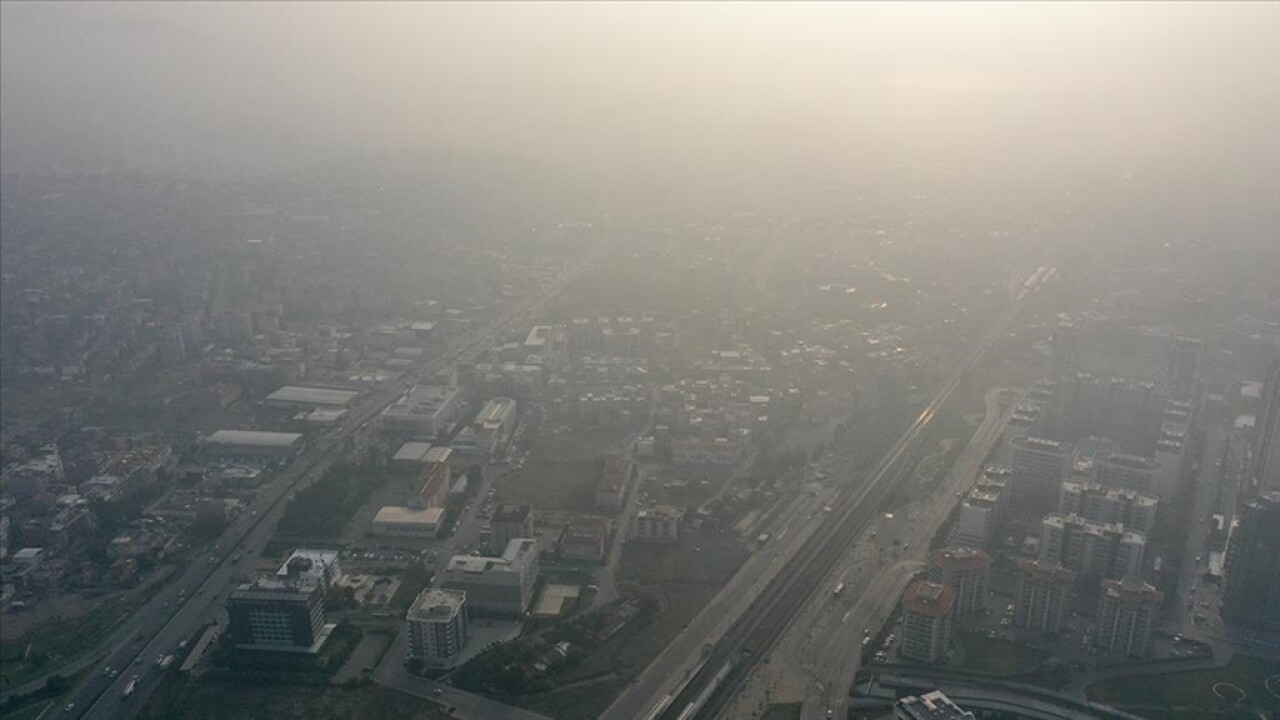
[
  {"x": 926, "y": 628},
  {"x": 964, "y": 570}
]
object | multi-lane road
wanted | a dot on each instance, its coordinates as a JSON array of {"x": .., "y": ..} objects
[
  {"x": 735, "y": 653},
  {"x": 176, "y": 613}
]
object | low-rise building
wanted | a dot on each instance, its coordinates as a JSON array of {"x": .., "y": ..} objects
[
  {"x": 585, "y": 540},
  {"x": 315, "y": 566},
  {"x": 611, "y": 490},
  {"x": 436, "y": 625},
  {"x": 926, "y": 628},
  {"x": 310, "y": 398},
  {"x": 929, "y": 706},
  {"x": 422, "y": 412},
  {"x": 401, "y": 521},
  {"x": 496, "y": 585},
  {"x": 659, "y": 524},
  {"x": 410, "y": 458},
  {"x": 720, "y": 451},
  {"x": 510, "y": 522},
  {"x": 252, "y": 443}
]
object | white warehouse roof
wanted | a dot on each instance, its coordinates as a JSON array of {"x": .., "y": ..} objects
[
  {"x": 253, "y": 437},
  {"x": 312, "y": 396}
]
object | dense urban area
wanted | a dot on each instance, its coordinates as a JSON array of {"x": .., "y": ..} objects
[
  {"x": 501, "y": 478},
  {"x": 697, "y": 365}
]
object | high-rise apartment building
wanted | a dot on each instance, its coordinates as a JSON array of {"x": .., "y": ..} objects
[
  {"x": 1043, "y": 594},
  {"x": 1184, "y": 367},
  {"x": 1092, "y": 549},
  {"x": 965, "y": 571},
  {"x": 981, "y": 509},
  {"x": 1265, "y": 468},
  {"x": 1252, "y": 573},
  {"x": 1134, "y": 510},
  {"x": 1040, "y": 466},
  {"x": 926, "y": 628},
  {"x": 1126, "y": 611},
  {"x": 1130, "y": 472}
]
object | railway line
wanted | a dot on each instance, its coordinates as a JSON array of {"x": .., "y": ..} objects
[{"x": 710, "y": 689}]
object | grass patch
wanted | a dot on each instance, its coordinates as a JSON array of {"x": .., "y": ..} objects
[
  {"x": 580, "y": 702},
  {"x": 681, "y": 582},
  {"x": 185, "y": 698},
  {"x": 783, "y": 711},
  {"x": 1193, "y": 689},
  {"x": 999, "y": 658},
  {"x": 30, "y": 712},
  {"x": 56, "y": 643}
]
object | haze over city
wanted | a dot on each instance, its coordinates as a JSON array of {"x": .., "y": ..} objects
[{"x": 640, "y": 360}]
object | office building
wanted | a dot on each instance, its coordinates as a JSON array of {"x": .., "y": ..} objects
[
  {"x": 436, "y": 625},
  {"x": 1092, "y": 549},
  {"x": 926, "y": 628},
  {"x": 982, "y": 509},
  {"x": 659, "y": 524},
  {"x": 965, "y": 571},
  {"x": 496, "y": 585},
  {"x": 929, "y": 706},
  {"x": 422, "y": 412},
  {"x": 1130, "y": 472},
  {"x": 510, "y": 522},
  {"x": 1126, "y": 611},
  {"x": 1043, "y": 595},
  {"x": 279, "y": 615},
  {"x": 1265, "y": 467},
  {"x": 1184, "y": 367},
  {"x": 1091, "y": 501},
  {"x": 1252, "y": 595},
  {"x": 1040, "y": 467}
]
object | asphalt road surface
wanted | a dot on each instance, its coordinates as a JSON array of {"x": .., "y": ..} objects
[{"x": 175, "y": 614}]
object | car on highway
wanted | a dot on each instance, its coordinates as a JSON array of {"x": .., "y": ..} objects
[{"x": 69, "y": 708}]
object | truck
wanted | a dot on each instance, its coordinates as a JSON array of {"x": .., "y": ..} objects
[{"x": 128, "y": 689}]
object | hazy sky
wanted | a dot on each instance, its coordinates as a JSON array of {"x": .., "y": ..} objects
[{"x": 247, "y": 86}]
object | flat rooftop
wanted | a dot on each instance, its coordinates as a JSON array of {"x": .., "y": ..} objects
[
  {"x": 401, "y": 515},
  {"x": 313, "y": 396},
  {"x": 253, "y": 437}
]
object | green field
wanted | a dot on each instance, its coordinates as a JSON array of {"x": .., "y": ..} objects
[
  {"x": 1190, "y": 694},
  {"x": 1000, "y": 658},
  {"x": 54, "y": 644},
  {"x": 184, "y": 698},
  {"x": 784, "y": 711},
  {"x": 580, "y": 702}
]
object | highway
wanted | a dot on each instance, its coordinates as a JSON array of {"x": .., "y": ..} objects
[
  {"x": 816, "y": 650},
  {"x": 178, "y": 611},
  {"x": 759, "y": 628}
]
